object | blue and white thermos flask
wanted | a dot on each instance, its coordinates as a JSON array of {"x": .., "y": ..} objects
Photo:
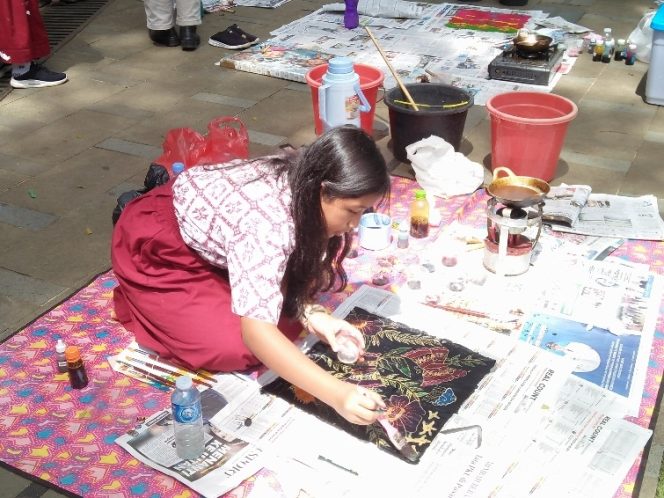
[{"x": 340, "y": 99}]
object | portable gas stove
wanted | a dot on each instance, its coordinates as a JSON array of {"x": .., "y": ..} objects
[{"x": 522, "y": 67}]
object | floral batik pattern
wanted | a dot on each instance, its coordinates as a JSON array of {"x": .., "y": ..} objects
[{"x": 422, "y": 379}]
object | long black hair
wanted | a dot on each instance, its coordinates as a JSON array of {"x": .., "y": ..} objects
[{"x": 343, "y": 163}]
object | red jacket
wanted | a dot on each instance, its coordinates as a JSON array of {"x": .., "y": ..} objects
[{"x": 23, "y": 37}]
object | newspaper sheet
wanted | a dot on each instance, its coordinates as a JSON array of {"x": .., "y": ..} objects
[
  {"x": 225, "y": 463},
  {"x": 266, "y": 4},
  {"x": 563, "y": 203},
  {"x": 381, "y": 8},
  {"x": 424, "y": 47},
  {"x": 602, "y": 312},
  {"x": 526, "y": 426},
  {"x": 576, "y": 434},
  {"x": 619, "y": 216}
]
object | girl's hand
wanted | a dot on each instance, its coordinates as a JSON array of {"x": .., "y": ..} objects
[
  {"x": 358, "y": 405},
  {"x": 327, "y": 327}
]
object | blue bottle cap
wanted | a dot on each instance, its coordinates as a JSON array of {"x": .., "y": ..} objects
[
  {"x": 340, "y": 65},
  {"x": 177, "y": 168},
  {"x": 657, "y": 23}
]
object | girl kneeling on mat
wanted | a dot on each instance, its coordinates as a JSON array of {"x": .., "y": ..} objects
[{"x": 219, "y": 268}]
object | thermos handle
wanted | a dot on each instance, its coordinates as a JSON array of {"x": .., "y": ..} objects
[
  {"x": 321, "y": 105},
  {"x": 366, "y": 106}
]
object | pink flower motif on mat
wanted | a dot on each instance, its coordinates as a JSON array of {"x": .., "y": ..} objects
[
  {"x": 435, "y": 365},
  {"x": 404, "y": 414}
]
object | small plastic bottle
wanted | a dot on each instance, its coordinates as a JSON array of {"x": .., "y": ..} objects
[
  {"x": 187, "y": 419},
  {"x": 609, "y": 45},
  {"x": 78, "y": 378},
  {"x": 630, "y": 54},
  {"x": 419, "y": 215},
  {"x": 349, "y": 350},
  {"x": 435, "y": 219},
  {"x": 177, "y": 168},
  {"x": 60, "y": 356},
  {"x": 351, "y": 17},
  {"x": 402, "y": 237},
  {"x": 598, "y": 51},
  {"x": 619, "y": 53}
]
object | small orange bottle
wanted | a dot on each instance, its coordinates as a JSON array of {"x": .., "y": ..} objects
[
  {"x": 78, "y": 378},
  {"x": 419, "y": 215}
]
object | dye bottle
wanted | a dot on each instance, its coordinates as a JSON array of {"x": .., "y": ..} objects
[
  {"x": 60, "y": 358},
  {"x": 630, "y": 54},
  {"x": 609, "y": 45},
  {"x": 419, "y": 215},
  {"x": 78, "y": 378},
  {"x": 187, "y": 419},
  {"x": 402, "y": 237},
  {"x": 619, "y": 52},
  {"x": 351, "y": 17},
  {"x": 598, "y": 51}
]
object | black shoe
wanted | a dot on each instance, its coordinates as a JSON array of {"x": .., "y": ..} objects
[
  {"x": 165, "y": 37},
  {"x": 233, "y": 38},
  {"x": 188, "y": 38},
  {"x": 38, "y": 76}
]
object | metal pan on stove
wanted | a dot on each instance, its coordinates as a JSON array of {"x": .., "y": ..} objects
[
  {"x": 518, "y": 191},
  {"x": 532, "y": 43}
]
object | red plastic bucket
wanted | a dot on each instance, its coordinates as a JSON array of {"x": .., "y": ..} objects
[
  {"x": 371, "y": 78},
  {"x": 528, "y": 130}
]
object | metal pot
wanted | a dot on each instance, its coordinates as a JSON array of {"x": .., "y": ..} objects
[
  {"x": 532, "y": 43},
  {"x": 518, "y": 191}
]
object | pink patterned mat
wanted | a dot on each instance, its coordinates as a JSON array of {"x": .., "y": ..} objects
[{"x": 66, "y": 437}]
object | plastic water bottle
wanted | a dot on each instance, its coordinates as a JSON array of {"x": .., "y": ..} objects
[
  {"x": 340, "y": 98},
  {"x": 187, "y": 419}
]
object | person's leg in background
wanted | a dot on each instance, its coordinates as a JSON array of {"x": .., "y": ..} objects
[
  {"x": 23, "y": 41},
  {"x": 188, "y": 17},
  {"x": 160, "y": 18}
]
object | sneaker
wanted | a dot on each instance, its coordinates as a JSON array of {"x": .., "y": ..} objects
[
  {"x": 38, "y": 76},
  {"x": 233, "y": 38}
]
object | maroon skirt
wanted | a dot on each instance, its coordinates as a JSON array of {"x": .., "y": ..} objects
[
  {"x": 23, "y": 36},
  {"x": 171, "y": 299}
]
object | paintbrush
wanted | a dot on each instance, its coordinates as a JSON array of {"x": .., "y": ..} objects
[
  {"x": 180, "y": 371},
  {"x": 398, "y": 440},
  {"x": 154, "y": 359},
  {"x": 162, "y": 381}
]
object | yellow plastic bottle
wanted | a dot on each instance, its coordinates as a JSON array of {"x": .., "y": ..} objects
[{"x": 419, "y": 215}]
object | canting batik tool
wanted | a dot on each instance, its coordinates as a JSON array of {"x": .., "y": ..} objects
[{"x": 398, "y": 440}]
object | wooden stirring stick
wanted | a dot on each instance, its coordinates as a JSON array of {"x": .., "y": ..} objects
[{"x": 394, "y": 73}]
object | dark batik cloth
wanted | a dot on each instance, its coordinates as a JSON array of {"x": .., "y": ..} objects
[{"x": 422, "y": 379}]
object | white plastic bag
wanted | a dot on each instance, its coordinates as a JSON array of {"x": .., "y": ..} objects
[
  {"x": 442, "y": 171},
  {"x": 642, "y": 36}
]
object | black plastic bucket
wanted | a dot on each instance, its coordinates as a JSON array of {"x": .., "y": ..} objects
[{"x": 442, "y": 112}]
